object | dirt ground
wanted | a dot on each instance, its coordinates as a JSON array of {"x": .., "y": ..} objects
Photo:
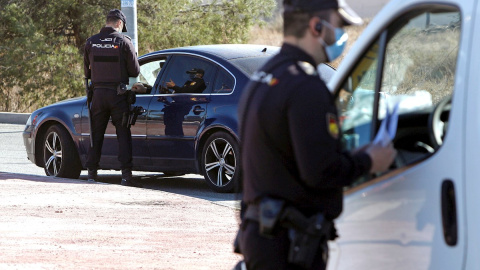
[{"x": 48, "y": 223}]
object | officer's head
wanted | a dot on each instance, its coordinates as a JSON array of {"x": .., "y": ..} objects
[
  {"x": 320, "y": 20},
  {"x": 116, "y": 16},
  {"x": 196, "y": 73}
]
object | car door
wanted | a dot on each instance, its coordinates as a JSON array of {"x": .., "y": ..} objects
[
  {"x": 174, "y": 119},
  {"x": 411, "y": 217},
  {"x": 149, "y": 69}
]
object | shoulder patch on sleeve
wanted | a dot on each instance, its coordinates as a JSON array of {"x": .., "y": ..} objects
[
  {"x": 308, "y": 68},
  {"x": 332, "y": 125}
]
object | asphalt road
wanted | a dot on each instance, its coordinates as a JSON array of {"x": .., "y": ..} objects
[{"x": 13, "y": 159}]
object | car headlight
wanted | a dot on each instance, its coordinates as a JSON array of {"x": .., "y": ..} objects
[
  {"x": 32, "y": 119},
  {"x": 29, "y": 121}
]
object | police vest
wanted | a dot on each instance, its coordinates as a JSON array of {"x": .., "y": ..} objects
[{"x": 106, "y": 59}]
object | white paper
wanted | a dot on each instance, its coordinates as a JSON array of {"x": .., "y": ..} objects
[{"x": 388, "y": 127}]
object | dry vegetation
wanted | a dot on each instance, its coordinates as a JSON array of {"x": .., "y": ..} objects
[
  {"x": 423, "y": 59},
  {"x": 271, "y": 34}
]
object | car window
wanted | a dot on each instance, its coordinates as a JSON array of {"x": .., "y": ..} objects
[
  {"x": 148, "y": 72},
  {"x": 179, "y": 72},
  {"x": 411, "y": 69},
  {"x": 356, "y": 100},
  {"x": 224, "y": 83}
]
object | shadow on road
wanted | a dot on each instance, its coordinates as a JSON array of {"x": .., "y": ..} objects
[{"x": 192, "y": 185}]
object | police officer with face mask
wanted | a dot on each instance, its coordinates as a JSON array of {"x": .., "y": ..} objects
[
  {"x": 293, "y": 166},
  {"x": 196, "y": 84},
  {"x": 109, "y": 60}
]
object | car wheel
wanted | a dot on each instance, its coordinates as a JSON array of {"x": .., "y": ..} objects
[
  {"x": 220, "y": 162},
  {"x": 60, "y": 157}
]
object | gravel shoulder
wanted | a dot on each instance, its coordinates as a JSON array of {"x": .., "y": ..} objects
[{"x": 55, "y": 223}]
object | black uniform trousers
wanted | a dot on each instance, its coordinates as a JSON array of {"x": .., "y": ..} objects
[
  {"x": 261, "y": 253},
  {"x": 105, "y": 104}
]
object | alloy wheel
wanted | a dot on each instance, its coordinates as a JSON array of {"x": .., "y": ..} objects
[
  {"x": 53, "y": 154},
  {"x": 220, "y": 162}
]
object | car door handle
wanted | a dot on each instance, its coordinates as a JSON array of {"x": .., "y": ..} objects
[
  {"x": 198, "y": 110},
  {"x": 449, "y": 213}
]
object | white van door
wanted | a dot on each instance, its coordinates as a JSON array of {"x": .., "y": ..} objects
[
  {"x": 411, "y": 217},
  {"x": 472, "y": 151}
]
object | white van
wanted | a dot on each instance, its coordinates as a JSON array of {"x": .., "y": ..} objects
[{"x": 422, "y": 213}]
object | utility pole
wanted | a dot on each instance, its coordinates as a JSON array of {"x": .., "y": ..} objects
[{"x": 129, "y": 8}]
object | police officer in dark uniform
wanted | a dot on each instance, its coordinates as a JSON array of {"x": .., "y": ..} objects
[
  {"x": 196, "y": 84},
  {"x": 109, "y": 60},
  {"x": 293, "y": 166}
]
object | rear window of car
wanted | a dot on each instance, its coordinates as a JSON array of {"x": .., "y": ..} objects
[{"x": 251, "y": 64}]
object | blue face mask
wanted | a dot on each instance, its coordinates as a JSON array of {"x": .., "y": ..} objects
[{"x": 335, "y": 50}]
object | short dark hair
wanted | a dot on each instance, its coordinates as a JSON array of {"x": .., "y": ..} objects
[
  {"x": 296, "y": 23},
  {"x": 112, "y": 20}
]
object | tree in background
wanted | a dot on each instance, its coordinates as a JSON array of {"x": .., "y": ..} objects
[{"x": 41, "y": 49}]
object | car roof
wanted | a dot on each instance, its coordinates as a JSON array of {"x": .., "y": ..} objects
[{"x": 247, "y": 57}]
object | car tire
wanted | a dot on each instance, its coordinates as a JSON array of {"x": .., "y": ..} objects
[
  {"x": 60, "y": 157},
  {"x": 220, "y": 162}
]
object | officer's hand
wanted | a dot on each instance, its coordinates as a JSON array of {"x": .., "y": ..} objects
[
  {"x": 170, "y": 84},
  {"x": 139, "y": 88},
  {"x": 381, "y": 156}
]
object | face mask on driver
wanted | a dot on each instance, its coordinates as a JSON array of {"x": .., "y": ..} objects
[{"x": 334, "y": 50}]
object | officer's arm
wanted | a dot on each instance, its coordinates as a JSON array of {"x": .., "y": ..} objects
[
  {"x": 199, "y": 87},
  {"x": 86, "y": 60},
  {"x": 133, "y": 67},
  {"x": 313, "y": 128},
  {"x": 184, "y": 89}
]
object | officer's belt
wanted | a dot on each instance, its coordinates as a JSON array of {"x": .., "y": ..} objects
[
  {"x": 112, "y": 86},
  {"x": 291, "y": 217}
]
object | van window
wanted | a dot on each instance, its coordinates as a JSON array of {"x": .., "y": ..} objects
[{"x": 411, "y": 66}]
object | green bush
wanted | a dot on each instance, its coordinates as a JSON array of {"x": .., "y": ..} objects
[{"x": 41, "y": 49}]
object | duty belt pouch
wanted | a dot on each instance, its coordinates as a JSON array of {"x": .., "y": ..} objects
[
  {"x": 121, "y": 89},
  {"x": 269, "y": 214},
  {"x": 303, "y": 248},
  {"x": 306, "y": 237},
  {"x": 131, "y": 97}
]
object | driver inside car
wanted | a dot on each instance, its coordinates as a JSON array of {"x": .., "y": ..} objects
[{"x": 195, "y": 84}]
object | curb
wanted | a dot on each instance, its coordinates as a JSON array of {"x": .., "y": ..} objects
[{"x": 14, "y": 118}]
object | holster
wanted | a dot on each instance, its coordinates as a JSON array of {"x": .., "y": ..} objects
[
  {"x": 89, "y": 93},
  {"x": 306, "y": 235},
  {"x": 131, "y": 97}
]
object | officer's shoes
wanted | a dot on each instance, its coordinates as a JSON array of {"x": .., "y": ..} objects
[
  {"x": 92, "y": 176},
  {"x": 131, "y": 183}
]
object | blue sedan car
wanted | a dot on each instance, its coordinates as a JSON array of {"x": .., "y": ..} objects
[{"x": 178, "y": 133}]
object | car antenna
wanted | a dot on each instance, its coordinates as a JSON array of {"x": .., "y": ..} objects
[{"x": 264, "y": 50}]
